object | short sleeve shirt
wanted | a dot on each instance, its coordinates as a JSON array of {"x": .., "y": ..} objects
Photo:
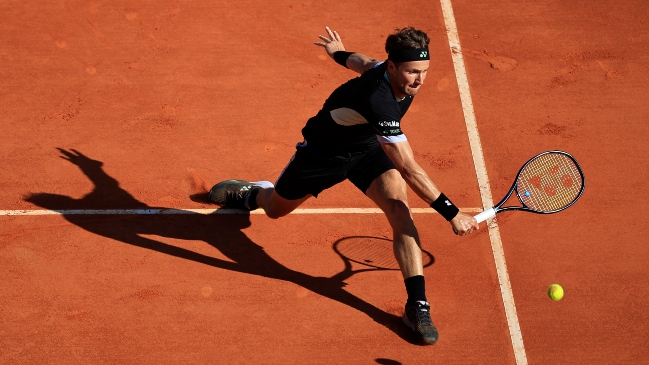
[{"x": 359, "y": 114}]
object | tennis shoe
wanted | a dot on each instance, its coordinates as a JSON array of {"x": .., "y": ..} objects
[
  {"x": 417, "y": 318},
  {"x": 235, "y": 193}
]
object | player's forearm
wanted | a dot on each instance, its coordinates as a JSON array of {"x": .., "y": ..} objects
[
  {"x": 415, "y": 176},
  {"x": 420, "y": 183},
  {"x": 402, "y": 156},
  {"x": 360, "y": 62}
]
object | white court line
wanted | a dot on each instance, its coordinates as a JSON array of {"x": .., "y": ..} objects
[
  {"x": 167, "y": 211},
  {"x": 483, "y": 182}
]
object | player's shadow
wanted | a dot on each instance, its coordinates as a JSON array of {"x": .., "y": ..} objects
[{"x": 222, "y": 231}]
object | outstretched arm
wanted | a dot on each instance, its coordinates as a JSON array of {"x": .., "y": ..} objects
[
  {"x": 403, "y": 158},
  {"x": 355, "y": 62}
]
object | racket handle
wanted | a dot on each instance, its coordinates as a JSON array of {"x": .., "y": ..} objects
[{"x": 489, "y": 213}]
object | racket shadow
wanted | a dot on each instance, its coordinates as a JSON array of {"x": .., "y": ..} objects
[
  {"x": 370, "y": 253},
  {"x": 222, "y": 231}
]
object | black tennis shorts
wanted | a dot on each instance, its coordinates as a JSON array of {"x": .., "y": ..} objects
[{"x": 311, "y": 171}]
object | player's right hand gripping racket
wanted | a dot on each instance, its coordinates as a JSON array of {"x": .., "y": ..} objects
[{"x": 548, "y": 183}]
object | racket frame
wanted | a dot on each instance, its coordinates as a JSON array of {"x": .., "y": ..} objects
[{"x": 498, "y": 208}]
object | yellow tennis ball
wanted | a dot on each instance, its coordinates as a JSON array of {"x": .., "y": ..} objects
[{"x": 555, "y": 292}]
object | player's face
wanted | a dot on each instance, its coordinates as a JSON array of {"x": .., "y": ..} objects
[{"x": 407, "y": 78}]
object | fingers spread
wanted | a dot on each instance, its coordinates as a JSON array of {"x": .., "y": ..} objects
[{"x": 331, "y": 34}]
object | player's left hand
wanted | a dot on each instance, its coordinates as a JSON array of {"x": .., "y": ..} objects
[
  {"x": 464, "y": 224},
  {"x": 332, "y": 43}
]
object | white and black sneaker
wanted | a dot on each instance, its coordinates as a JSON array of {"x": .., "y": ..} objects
[
  {"x": 417, "y": 318},
  {"x": 235, "y": 193}
]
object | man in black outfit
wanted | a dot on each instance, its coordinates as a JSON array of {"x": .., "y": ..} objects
[{"x": 357, "y": 136}]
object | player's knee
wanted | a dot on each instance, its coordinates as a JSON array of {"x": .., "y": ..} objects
[
  {"x": 398, "y": 207},
  {"x": 398, "y": 213}
]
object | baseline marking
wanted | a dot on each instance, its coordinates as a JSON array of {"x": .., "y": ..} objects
[
  {"x": 153, "y": 211},
  {"x": 483, "y": 182}
]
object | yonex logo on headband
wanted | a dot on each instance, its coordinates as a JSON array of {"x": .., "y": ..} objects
[{"x": 407, "y": 55}]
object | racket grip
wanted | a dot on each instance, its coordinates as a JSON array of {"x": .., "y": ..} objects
[{"x": 489, "y": 213}]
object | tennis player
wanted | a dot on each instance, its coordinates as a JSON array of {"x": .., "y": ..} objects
[{"x": 357, "y": 136}]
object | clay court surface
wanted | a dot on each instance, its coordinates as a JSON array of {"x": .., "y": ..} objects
[{"x": 151, "y": 102}]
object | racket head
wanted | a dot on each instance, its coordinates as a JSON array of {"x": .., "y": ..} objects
[
  {"x": 550, "y": 182},
  {"x": 374, "y": 252}
]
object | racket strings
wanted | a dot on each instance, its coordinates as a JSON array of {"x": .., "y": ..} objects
[{"x": 550, "y": 182}]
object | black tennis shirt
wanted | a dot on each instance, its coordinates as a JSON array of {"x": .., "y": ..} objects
[{"x": 358, "y": 114}]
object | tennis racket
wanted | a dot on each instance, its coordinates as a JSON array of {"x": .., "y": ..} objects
[
  {"x": 548, "y": 183},
  {"x": 371, "y": 253}
]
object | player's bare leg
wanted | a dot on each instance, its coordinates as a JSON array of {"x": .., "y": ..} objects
[
  {"x": 389, "y": 192},
  {"x": 274, "y": 205}
]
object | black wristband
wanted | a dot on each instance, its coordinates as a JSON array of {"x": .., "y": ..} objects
[
  {"x": 444, "y": 207},
  {"x": 341, "y": 57}
]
